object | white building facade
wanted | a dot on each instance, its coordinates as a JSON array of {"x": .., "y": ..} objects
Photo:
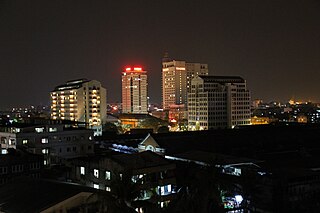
[
  {"x": 54, "y": 142},
  {"x": 134, "y": 91},
  {"x": 81, "y": 101},
  {"x": 218, "y": 102}
]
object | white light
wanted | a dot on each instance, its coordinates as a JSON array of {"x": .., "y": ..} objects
[
  {"x": 82, "y": 170},
  {"x": 238, "y": 198}
]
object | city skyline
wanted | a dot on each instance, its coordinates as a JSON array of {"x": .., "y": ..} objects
[{"x": 273, "y": 45}]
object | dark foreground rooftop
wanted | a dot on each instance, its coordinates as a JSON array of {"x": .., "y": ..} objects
[{"x": 35, "y": 195}]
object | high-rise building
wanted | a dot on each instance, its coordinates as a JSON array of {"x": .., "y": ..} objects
[
  {"x": 218, "y": 102},
  {"x": 176, "y": 80},
  {"x": 134, "y": 91},
  {"x": 80, "y": 100}
]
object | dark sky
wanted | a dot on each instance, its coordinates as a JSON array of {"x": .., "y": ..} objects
[{"x": 273, "y": 44}]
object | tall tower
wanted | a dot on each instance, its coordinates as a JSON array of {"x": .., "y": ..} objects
[
  {"x": 134, "y": 91},
  {"x": 80, "y": 100},
  {"x": 176, "y": 80}
]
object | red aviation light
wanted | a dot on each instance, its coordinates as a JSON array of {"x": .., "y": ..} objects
[
  {"x": 130, "y": 69},
  {"x": 137, "y": 69}
]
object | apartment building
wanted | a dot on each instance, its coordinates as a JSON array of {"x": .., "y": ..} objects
[{"x": 80, "y": 100}]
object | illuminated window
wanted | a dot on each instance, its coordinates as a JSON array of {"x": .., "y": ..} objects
[
  {"x": 164, "y": 190},
  {"x": 52, "y": 129},
  {"x": 12, "y": 141},
  {"x": 108, "y": 189},
  {"x": 45, "y": 151},
  {"x": 82, "y": 170},
  {"x": 96, "y": 173},
  {"x": 96, "y": 186},
  {"x": 108, "y": 175},
  {"x": 44, "y": 140},
  {"x": 39, "y": 130}
]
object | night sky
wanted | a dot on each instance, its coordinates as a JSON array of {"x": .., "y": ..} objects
[{"x": 273, "y": 44}]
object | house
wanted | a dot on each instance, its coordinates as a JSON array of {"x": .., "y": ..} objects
[{"x": 154, "y": 175}]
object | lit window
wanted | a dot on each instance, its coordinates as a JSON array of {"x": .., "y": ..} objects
[
  {"x": 52, "y": 129},
  {"x": 96, "y": 186},
  {"x": 108, "y": 175},
  {"x": 41, "y": 129},
  {"x": 108, "y": 189},
  {"x": 82, "y": 170},
  {"x": 12, "y": 141},
  {"x": 161, "y": 204},
  {"x": 25, "y": 141},
  {"x": 164, "y": 190},
  {"x": 44, "y": 140},
  {"x": 45, "y": 162},
  {"x": 96, "y": 173},
  {"x": 45, "y": 151}
]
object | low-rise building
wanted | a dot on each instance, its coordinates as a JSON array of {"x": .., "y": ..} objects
[
  {"x": 56, "y": 142},
  {"x": 16, "y": 163},
  {"x": 154, "y": 175}
]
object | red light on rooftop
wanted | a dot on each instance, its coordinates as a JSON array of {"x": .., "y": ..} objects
[{"x": 137, "y": 69}]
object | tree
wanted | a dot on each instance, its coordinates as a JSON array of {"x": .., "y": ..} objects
[
  {"x": 152, "y": 122},
  {"x": 111, "y": 127},
  {"x": 128, "y": 193},
  {"x": 198, "y": 190}
]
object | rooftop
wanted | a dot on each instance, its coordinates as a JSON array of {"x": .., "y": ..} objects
[
  {"x": 213, "y": 158},
  {"x": 222, "y": 79},
  {"x": 35, "y": 195},
  {"x": 141, "y": 160},
  {"x": 72, "y": 84}
]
